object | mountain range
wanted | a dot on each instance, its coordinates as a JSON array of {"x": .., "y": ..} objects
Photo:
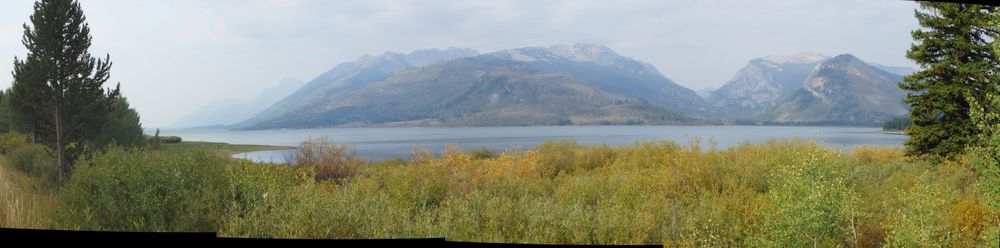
[
  {"x": 580, "y": 84},
  {"x": 843, "y": 89},
  {"x": 763, "y": 83},
  {"x": 353, "y": 75},
  {"x": 813, "y": 88}
]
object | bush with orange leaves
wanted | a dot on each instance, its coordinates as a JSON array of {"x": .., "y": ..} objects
[{"x": 327, "y": 161}]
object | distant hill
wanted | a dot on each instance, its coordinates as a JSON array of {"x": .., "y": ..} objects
[
  {"x": 220, "y": 113},
  {"x": 563, "y": 84},
  {"x": 843, "y": 89},
  {"x": 764, "y": 83}
]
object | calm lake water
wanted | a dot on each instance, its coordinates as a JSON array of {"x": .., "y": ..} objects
[{"x": 388, "y": 143}]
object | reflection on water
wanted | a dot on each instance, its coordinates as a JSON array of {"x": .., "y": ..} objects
[
  {"x": 277, "y": 156},
  {"x": 388, "y": 143}
]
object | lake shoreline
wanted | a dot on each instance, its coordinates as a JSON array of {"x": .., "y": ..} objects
[
  {"x": 382, "y": 126},
  {"x": 893, "y": 132},
  {"x": 375, "y": 144},
  {"x": 231, "y": 149}
]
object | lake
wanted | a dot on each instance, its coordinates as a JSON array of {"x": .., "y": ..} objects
[{"x": 388, "y": 143}]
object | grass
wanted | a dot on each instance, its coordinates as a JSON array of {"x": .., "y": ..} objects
[
  {"x": 220, "y": 147},
  {"x": 25, "y": 201}
]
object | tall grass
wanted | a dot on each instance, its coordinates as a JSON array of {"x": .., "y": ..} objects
[{"x": 25, "y": 201}]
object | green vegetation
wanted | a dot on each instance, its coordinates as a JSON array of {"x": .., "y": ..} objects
[
  {"x": 223, "y": 148},
  {"x": 169, "y": 139},
  {"x": 10, "y": 141},
  {"x": 58, "y": 93},
  {"x": 779, "y": 193},
  {"x": 898, "y": 124},
  {"x": 957, "y": 60},
  {"x": 122, "y": 127},
  {"x": 482, "y": 153},
  {"x": 156, "y": 139},
  {"x": 143, "y": 190},
  {"x": 35, "y": 160},
  {"x": 7, "y": 123}
]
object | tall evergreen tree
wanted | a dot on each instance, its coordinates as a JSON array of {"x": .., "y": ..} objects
[
  {"x": 122, "y": 126},
  {"x": 953, "y": 51},
  {"x": 58, "y": 89},
  {"x": 5, "y": 115}
]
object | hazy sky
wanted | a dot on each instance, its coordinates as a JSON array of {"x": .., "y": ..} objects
[{"x": 173, "y": 56}]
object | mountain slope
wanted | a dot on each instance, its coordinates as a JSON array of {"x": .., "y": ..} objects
[
  {"x": 606, "y": 70},
  {"x": 354, "y": 75},
  {"x": 582, "y": 84},
  {"x": 763, "y": 83},
  {"x": 476, "y": 91},
  {"x": 843, "y": 89}
]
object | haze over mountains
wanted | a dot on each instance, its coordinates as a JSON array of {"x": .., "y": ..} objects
[
  {"x": 223, "y": 112},
  {"x": 581, "y": 84},
  {"x": 353, "y": 75},
  {"x": 763, "y": 83}
]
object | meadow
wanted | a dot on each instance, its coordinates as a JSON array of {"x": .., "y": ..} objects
[{"x": 780, "y": 193}]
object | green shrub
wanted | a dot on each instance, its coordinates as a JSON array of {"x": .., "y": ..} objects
[
  {"x": 170, "y": 139},
  {"x": 812, "y": 206},
  {"x": 558, "y": 156},
  {"x": 986, "y": 162},
  {"x": 121, "y": 127},
  {"x": 898, "y": 124},
  {"x": 985, "y": 158},
  {"x": 143, "y": 190},
  {"x": 482, "y": 153},
  {"x": 156, "y": 139},
  {"x": 35, "y": 160},
  {"x": 269, "y": 201},
  {"x": 388, "y": 162},
  {"x": 9, "y": 141}
]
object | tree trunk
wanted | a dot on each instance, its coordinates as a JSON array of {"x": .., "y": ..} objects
[{"x": 60, "y": 148}]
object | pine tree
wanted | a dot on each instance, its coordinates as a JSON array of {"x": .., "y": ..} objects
[
  {"x": 156, "y": 139},
  {"x": 954, "y": 52},
  {"x": 57, "y": 92},
  {"x": 122, "y": 126}
]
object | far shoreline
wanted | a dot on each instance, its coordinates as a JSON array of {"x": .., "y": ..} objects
[
  {"x": 372, "y": 151},
  {"x": 229, "y": 149},
  {"x": 529, "y": 126},
  {"x": 893, "y": 132}
]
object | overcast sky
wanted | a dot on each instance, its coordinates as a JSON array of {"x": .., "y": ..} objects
[{"x": 173, "y": 56}]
